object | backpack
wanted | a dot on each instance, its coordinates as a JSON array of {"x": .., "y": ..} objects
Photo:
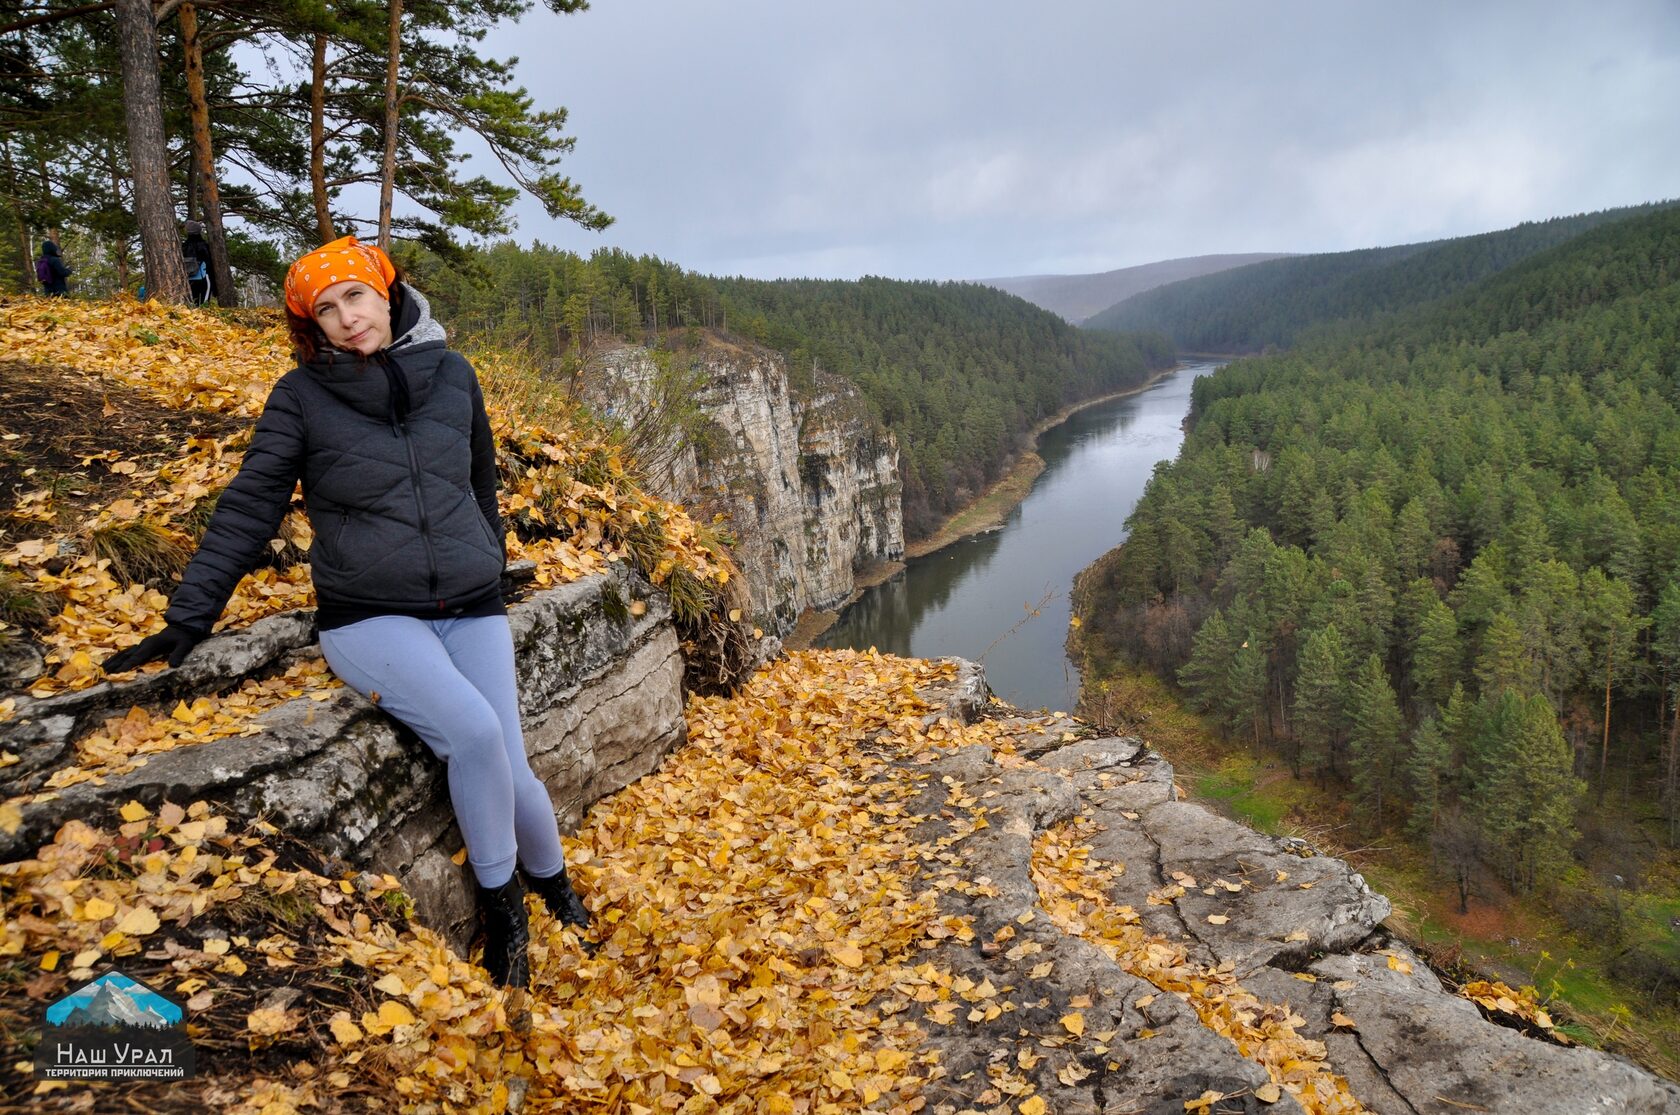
[
  {"x": 196, "y": 269},
  {"x": 43, "y": 271}
]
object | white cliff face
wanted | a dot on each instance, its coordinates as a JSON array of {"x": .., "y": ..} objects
[{"x": 806, "y": 481}]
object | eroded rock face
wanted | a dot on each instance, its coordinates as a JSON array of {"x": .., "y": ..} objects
[
  {"x": 805, "y": 478},
  {"x": 1296, "y": 929},
  {"x": 601, "y": 700}
]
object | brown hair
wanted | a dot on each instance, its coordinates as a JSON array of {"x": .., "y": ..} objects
[{"x": 307, "y": 338}]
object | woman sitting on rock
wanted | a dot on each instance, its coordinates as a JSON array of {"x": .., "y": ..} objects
[{"x": 385, "y": 425}]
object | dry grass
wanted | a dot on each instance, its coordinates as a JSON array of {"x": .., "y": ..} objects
[{"x": 140, "y": 551}]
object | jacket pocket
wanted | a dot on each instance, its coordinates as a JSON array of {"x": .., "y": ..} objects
[{"x": 496, "y": 546}]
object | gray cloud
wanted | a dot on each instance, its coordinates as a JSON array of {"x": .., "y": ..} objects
[{"x": 936, "y": 139}]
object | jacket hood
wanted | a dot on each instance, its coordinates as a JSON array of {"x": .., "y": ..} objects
[
  {"x": 415, "y": 325},
  {"x": 48, "y": 248}
]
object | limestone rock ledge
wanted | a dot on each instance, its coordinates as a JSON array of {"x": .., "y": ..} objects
[
  {"x": 1417, "y": 1049},
  {"x": 601, "y": 700},
  {"x": 807, "y": 480}
]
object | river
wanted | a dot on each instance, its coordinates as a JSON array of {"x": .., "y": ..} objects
[{"x": 976, "y": 597}]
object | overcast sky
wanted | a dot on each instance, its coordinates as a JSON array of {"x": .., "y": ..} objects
[{"x": 945, "y": 139}]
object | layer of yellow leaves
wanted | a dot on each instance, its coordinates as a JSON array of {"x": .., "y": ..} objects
[
  {"x": 69, "y": 909},
  {"x": 759, "y": 901},
  {"x": 761, "y": 908},
  {"x": 122, "y": 743},
  {"x": 1071, "y": 889},
  {"x": 1498, "y": 998}
]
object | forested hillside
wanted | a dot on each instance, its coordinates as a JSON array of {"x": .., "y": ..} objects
[
  {"x": 1438, "y": 564},
  {"x": 959, "y": 372},
  {"x": 1077, "y": 297},
  {"x": 1270, "y": 304}
]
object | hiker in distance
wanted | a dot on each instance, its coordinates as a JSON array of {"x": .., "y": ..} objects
[
  {"x": 195, "y": 257},
  {"x": 52, "y": 272},
  {"x": 386, "y": 427}
]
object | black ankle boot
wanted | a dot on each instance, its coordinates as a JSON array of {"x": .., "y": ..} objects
[
  {"x": 507, "y": 935},
  {"x": 562, "y": 901}
]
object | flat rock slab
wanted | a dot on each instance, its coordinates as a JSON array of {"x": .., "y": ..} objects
[
  {"x": 601, "y": 701},
  {"x": 1298, "y": 929}
]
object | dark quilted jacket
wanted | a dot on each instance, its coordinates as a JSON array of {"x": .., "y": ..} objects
[{"x": 401, "y": 491}]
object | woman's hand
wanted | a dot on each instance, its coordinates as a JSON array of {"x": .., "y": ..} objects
[{"x": 173, "y": 643}]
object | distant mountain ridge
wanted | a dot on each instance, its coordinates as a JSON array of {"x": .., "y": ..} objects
[
  {"x": 1270, "y": 304},
  {"x": 1077, "y": 297}
]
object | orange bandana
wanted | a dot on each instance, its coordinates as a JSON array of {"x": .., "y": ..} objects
[{"x": 342, "y": 260}]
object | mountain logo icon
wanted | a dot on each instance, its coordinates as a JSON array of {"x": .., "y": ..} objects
[
  {"x": 114, "y": 1027},
  {"x": 114, "y": 999}
]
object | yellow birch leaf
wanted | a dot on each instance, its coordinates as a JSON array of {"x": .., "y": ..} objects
[
  {"x": 134, "y": 811},
  {"x": 1074, "y": 1023},
  {"x": 138, "y": 922},
  {"x": 346, "y": 1031},
  {"x": 271, "y": 1020},
  {"x": 848, "y": 954},
  {"x": 393, "y": 1013},
  {"x": 96, "y": 909},
  {"x": 1033, "y": 1105}
]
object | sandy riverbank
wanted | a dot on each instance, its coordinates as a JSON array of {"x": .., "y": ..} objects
[{"x": 987, "y": 511}]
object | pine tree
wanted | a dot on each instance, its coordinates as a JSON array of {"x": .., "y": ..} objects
[
  {"x": 1550, "y": 794},
  {"x": 1374, "y": 736},
  {"x": 1612, "y": 625},
  {"x": 1437, "y": 656},
  {"x": 1320, "y": 701},
  {"x": 1204, "y": 677},
  {"x": 1245, "y": 691},
  {"x": 1427, "y": 772},
  {"x": 1505, "y": 662}
]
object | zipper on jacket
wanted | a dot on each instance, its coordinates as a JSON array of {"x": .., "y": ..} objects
[{"x": 420, "y": 509}]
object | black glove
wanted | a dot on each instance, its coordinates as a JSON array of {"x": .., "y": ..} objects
[{"x": 173, "y": 643}]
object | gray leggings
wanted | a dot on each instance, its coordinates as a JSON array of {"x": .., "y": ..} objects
[{"x": 452, "y": 681}]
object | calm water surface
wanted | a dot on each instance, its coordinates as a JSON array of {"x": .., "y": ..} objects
[{"x": 974, "y": 598}]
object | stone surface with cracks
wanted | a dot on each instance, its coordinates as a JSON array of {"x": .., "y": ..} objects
[{"x": 1302, "y": 930}]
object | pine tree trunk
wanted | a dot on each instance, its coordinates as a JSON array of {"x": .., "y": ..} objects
[
  {"x": 25, "y": 250},
  {"x": 1604, "y": 752},
  {"x": 317, "y": 139},
  {"x": 114, "y": 167},
  {"x": 204, "y": 159},
  {"x": 1672, "y": 774},
  {"x": 388, "y": 169},
  {"x": 148, "y": 153}
]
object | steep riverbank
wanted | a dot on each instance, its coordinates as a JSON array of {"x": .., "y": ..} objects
[{"x": 987, "y": 511}]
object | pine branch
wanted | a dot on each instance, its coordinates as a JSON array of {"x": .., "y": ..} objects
[{"x": 56, "y": 16}]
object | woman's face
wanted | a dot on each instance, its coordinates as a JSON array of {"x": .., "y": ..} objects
[{"x": 354, "y": 317}]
